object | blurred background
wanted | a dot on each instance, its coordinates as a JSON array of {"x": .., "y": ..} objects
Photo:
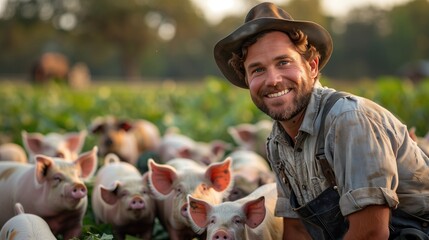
[{"x": 143, "y": 40}]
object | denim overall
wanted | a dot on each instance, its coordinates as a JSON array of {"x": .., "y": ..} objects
[{"x": 322, "y": 216}]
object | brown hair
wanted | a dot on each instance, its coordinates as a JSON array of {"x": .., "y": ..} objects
[{"x": 298, "y": 38}]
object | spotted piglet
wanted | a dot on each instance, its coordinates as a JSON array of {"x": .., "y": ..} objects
[
  {"x": 25, "y": 226},
  {"x": 128, "y": 139},
  {"x": 51, "y": 188}
]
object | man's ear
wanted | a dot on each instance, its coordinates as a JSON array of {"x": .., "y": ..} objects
[{"x": 314, "y": 67}]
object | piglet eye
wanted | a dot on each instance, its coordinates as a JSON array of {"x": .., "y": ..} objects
[
  {"x": 60, "y": 155},
  {"x": 212, "y": 221},
  {"x": 237, "y": 220},
  {"x": 57, "y": 179}
]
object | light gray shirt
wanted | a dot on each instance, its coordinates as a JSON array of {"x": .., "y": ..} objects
[{"x": 374, "y": 160}]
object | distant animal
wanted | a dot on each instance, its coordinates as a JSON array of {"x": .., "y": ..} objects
[
  {"x": 126, "y": 138},
  {"x": 50, "y": 66},
  {"x": 79, "y": 76},
  {"x": 66, "y": 146}
]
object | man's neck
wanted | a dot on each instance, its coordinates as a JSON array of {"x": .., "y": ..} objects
[{"x": 292, "y": 126}]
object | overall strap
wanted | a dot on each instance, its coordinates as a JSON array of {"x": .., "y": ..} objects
[{"x": 320, "y": 143}]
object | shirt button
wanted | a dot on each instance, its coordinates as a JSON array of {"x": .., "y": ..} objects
[
  {"x": 425, "y": 224},
  {"x": 299, "y": 149},
  {"x": 304, "y": 187}
]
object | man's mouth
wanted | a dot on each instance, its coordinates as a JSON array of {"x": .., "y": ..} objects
[{"x": 278, "y": 94}]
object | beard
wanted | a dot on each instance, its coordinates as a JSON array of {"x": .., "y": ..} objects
[{"x": 299, "y": 104}]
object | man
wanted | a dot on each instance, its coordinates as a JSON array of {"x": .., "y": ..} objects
[{"x": 373, "y": 182}]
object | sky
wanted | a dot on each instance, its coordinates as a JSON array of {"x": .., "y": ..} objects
[{"x": 217, "y": 9}]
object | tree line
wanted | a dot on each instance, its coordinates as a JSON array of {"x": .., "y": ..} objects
[{"x": 142, "y": 39}]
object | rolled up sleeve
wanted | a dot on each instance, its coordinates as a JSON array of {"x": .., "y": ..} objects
[
  {"x": 363, "y": 149},
  {"x": 355, "y": 200}
]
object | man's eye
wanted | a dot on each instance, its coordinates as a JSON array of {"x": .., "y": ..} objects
[
  {"x": 258, "y": 70},
  {"x": 281, "y": 63}
]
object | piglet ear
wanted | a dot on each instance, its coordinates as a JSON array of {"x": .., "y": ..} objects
[
  {"x": 242, "y": 133},
  {"x": 161, "y": 177},
  {"x": 125, "y": 125},
  {"x": 97, "y": 126},
  {"x": 110, "y": 194},
  {"x": 219, "y": 174},
  {"x": 255, "y": 212},
  {"x": 198, "y": 211},
  {"x": 43, "y": 163},
  {"x": 32, "y": 142},
  {"x": 87, "y": 163},
  {"x": 75, "y": 141},
  {"x": 219, "y": 147}
]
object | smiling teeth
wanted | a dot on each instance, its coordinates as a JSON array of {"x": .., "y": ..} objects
[{"x": 278, "y": 94}]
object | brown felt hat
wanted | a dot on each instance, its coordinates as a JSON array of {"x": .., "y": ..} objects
[{"x": 263, "y": 17}]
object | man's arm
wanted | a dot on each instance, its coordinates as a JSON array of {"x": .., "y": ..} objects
[
  {"x": 371, "y": 222},
  {"x": 293, "y": 228}
]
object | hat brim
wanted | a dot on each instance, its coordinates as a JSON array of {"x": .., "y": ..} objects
[{"x": 317, "y": 36}]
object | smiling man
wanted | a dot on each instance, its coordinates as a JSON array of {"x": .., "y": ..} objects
[{"x": 346, "y": 168}]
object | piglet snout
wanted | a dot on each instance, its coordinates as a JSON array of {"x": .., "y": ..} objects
[
  {"x": 137, "y": 203},
  {"x": 221, "y": 235},
  {"x": 78, "y": 191}
]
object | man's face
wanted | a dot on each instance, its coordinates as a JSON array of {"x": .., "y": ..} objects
[{"x": 280, "y": 80}]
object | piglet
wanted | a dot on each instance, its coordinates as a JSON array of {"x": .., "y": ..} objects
[
  {"x": 128, "y": 139},
  {"x": 252, "y": 136},
  {"x": 66, "y": 146},
  {"x": 172, "y": 182},
  {"x": 250, "y": 171},
  {"x": 422, "y": 142},
  {"x": 176, "y": 145},
  {"x": 51, "y": 188},
  {"x": 247, "y": 218},
  {"x": 25, "y": 226},
  {"x": 12, "y": 152},
  {"x": 121, "y": 198}
]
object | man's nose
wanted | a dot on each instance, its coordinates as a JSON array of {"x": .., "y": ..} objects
[{"x": 273, "y": 77}]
